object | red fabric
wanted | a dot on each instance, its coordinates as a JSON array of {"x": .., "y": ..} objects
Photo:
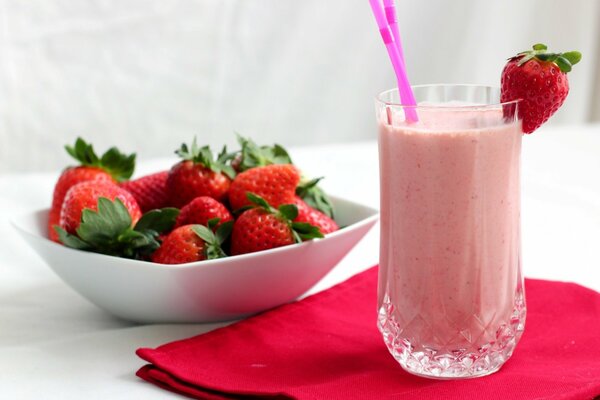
[{"x": 327, "y": 346}]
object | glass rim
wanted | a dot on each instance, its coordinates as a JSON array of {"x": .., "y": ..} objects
[{"x": 379, "y": 98}]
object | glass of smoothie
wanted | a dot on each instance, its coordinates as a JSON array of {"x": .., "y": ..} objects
[{"x": 450, "y": 298}]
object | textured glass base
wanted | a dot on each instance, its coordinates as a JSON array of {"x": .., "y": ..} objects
[{"x": 475, "y": 360}]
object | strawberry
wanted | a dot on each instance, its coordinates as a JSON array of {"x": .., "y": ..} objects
[
  {"x": 252, "y": 156},
  {"x": 198, "y": 175},
  {"x": 539, "y": 79},
  {"x": 190, "y": 243},
  {"x": 264, "y": 227},
  {"x": 201, "y": 210},
  {"x": 150, "y": 191},
  {"x": 314, "y": 217},
  {"x": 276, "y": 183},
  {"x": 85, "y": 195},
  {"x": 108, "y": 228},
  {"x": 112, "y": 166}
]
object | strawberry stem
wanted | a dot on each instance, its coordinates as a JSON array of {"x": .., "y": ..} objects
[
  {"x": 564, "y": 61},
  {"x": 119, "y": 165},
  {"x": 253, "y": 156},
  {"x": 204, "y": 155}
]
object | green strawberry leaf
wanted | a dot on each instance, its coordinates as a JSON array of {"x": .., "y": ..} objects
[
  {"x": 315, "y": 197},
  {"x": 573, "y": 56},
  {"x": 563, "y": 64},
  {"x": 224, "y": 156},
  {"x": 83, "y": 152},
  {"x": 280, "y": 155},
  {"x": 297, "y": 238},
  {"x": 289, "y": 211},
  {"x": 547, "y": 56},
  {"x": 228, "y": 170},
  {"x": 253, "y": 155},
  {"x": 159, "y": 220},
  {"x": 120, "y": 166},
  {"x": 69, "y": 240},
  {"x": 306, "y": 231},
  {"x": 204, "y": 233},
  {"x": 99, "y": 227},
  {"x": 212, "y": 223},
  {"x": 203, "y": 155},
  {"x": 213, "y": 242},
  {"x": 540, "y": 46},
  {"x": 224, "y": 231},
  {"x": 259, "y": 201}
]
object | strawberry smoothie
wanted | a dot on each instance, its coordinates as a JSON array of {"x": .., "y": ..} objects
[{"x": 450, "y": 286}]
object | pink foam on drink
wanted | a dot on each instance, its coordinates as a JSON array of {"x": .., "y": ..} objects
[{"x": 450, "y": 224}]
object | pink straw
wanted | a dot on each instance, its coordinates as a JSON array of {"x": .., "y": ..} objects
[
  {"x": 406, "y": 95},
  {"x": 390, "y": 15}
]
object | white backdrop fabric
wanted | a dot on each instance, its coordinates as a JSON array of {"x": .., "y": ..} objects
[{"x": 147, "y": 75}]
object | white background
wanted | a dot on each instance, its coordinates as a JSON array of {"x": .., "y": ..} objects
[{"x": 147, "y": 75}]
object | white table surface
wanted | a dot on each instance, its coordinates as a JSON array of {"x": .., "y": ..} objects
[{"x": 56, "y": 345}]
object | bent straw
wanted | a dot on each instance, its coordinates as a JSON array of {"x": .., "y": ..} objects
[
  {"x": 406, "y": 95},
  {"x": 390, "y": 15}
]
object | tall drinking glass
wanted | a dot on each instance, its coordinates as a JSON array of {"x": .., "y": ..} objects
[{"x": 450, "y": 296}]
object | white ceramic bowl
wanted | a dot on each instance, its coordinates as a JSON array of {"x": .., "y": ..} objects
[{"x": 202, "y": 291}]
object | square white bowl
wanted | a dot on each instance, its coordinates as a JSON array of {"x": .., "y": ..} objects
[{"x": 203, "y": 291}]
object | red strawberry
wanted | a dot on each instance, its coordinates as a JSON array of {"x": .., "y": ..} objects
[
  {"x": 540, "y": 80},
  {"x": 276, "y": 183},
  {"x": 85, "y": 195},
  {"x": 150, "y": 191},
  {"x": 201, "y": 210},
  {"x": 111, "y": 167},
  {"x": 264, "y": 227},
  {"x": 110, "y": 228},
  {"x": 198, "y": 175},
  {"x": 190, "y": 243},
  {"x": 314, "y": 217}
]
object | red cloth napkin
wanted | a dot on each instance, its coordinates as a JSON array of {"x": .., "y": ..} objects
[{"x": 327, "y": 346}]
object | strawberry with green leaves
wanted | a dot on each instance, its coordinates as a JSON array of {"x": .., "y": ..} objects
[
  {"x": 276, "y": 183},
  {"x": 201, "y": 210},
  {"x": 85, "y": 195},
  {"x": 539, "y": 79},
  {"x": 264, "y": 227},
  {"x": 150, "y": 191},
  {"x": 199, "y": 174},
  {"x": 252, "y": 156},
  {"x": 112, "y": 166},
  {"x": 195, "y": 242},
  {"x": 109, "y": 228}
]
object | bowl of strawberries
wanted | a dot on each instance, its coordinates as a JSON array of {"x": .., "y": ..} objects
[{"x": 213, "y": 238}]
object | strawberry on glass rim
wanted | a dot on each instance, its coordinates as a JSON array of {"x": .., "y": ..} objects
[{"x": 539, "y": 79}]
